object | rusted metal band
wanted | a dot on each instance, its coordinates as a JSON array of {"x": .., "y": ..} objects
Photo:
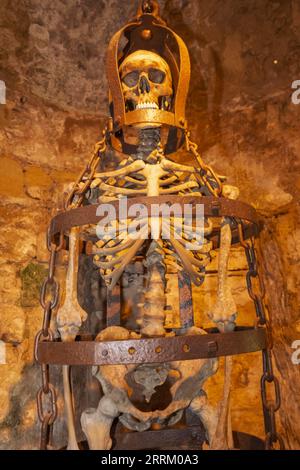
[
  {"x": 112, "y": 69},
  {"x": 213, "y": 207},
  {"x": 152, "y": 350},
  {"x": 187, "y": 438},
  {"x": 147, "y": 116},
  {"x": 158, "y": 43},
  {"x": 166, "y": 439}
]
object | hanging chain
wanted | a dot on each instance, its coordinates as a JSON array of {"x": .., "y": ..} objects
[
  {"x": 270, "y": 405},
  {"x": 206, "y": 175},
  {"x": 82, "y": 185},
  {"x": 46, "y": 396},
  {"x": 258, "y": 294}
]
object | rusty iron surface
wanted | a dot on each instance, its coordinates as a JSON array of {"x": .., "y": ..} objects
[
  {"x": 166, "y": 439},
  {"x": 152, "y": 350},
  {"x": 189, "y": 438},
  {"x": 213, "y": 207},
  {"x": 158, "y": 40}
]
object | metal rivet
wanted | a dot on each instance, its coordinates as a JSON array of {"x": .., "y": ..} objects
[
  {"x": 212, "y": 347},
  {"x": 186, "y": 348},
  {"x": 104, "y": 352},
  {"x": 131, "y": 350}
]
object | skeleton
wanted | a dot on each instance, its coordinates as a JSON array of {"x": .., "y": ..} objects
[{"x": 147, "y": 84}]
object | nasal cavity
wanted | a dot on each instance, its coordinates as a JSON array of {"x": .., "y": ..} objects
[{"x": 144, "y": 85}]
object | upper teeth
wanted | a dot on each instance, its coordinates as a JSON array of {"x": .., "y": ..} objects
[{"x": 146, "y": 105}]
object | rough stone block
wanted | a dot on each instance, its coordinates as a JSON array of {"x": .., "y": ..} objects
[
  {"x": 32, "y": 278},
  {"x": 12, "y": 324}
]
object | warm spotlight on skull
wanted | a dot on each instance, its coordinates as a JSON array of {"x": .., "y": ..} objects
[{"x": 146, "y": 81}]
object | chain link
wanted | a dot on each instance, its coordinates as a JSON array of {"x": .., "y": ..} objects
[
  {"x": 51, "y": 406},
  {"x": 271, "y": 439},
  {"x": 53, "y": 246},
  {"x": 270, "y": 405},
  {"x": 46, "y": 396},
  {"x": 45, "y": 432},
  {"x": 52, "y": 286},
  {"x": 82, "y": 185},
  {"x": 253, "y": 274},
  {"x": 206, "y": 175},
  {"x": 41, "y": 337},
  {"x": 49, "y": 298}
]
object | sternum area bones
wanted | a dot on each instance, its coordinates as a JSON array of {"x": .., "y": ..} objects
[{"x": 150, "y": 173}]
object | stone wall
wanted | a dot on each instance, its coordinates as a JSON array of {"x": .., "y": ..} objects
[{"x": 245, "y": 55}]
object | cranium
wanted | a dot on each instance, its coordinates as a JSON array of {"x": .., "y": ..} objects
[{"x": 146, "y": 81}]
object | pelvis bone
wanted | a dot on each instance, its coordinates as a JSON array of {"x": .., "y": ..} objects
[{"x": 188, "y": 379}]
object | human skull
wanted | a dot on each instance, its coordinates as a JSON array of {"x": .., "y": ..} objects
[{"x": 146, "y": 81}]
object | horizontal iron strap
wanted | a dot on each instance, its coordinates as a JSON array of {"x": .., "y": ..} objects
[
  {"x": 164, "y": 439},
  {"x": 213, "y": 207},
  {"x": 189, "y": 438},
  {"x": 152, "y": 350}
]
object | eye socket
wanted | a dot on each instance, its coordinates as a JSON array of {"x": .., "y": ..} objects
[
  {"x": 156, "y": 75},
  {"x": 131, "y": 79}
]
